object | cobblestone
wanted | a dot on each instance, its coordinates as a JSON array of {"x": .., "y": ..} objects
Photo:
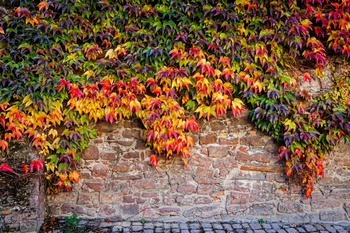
[{"x": 215, "y": 227}]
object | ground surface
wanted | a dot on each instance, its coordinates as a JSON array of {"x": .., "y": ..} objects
[{"x": 97, "y": 226}]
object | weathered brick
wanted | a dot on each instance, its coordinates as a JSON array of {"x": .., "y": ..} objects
[
  {"x": 144, "y": 184},
  {"x": 132, "y": 155},
  {"x": 88, "y": 198},
  {"x": 237, "y": 198},
  {"x": 205, "y": 189},
  {"x": 332, "y": 216},
  {"x": 201, "y": 160},
  {"x": 110, "y": 198},
  {"x": 265, "y": 209},
  {"x": 204, "y": 172},
  {"x": 203, "y": 212},
  {"x": 121, "y": 167},
  {"x": 132, "y": 133},
  {"x": 218, "y": 152},
  {"x": 228, "y": 141},
  {"x": 169, "y": 211},
  {"x": 290, "y": 207},
  {"x": 129, "y": 199},
  {"x": 91, "y": 153},
  {"x": 319, "y": 201},
  {"x": 108, "y": 155},
  {"x": 185, "y": 201},
  {"x": 274, "y": 169},
  {"x": 187, "y": 189},
  {"x": 217, "y": 125},
  {"x": 106, "y": 210},
  {"x": 95, "y": 185},
  {"x": 203, "y": 200},
  {"x": 125, "y": 142},
  {"x": 208, "y": 139},
  {"x": 130, "y": 209},
  {"x": 104, "y": 127},
  {"x": 252, "y": 141},
  {"x": 259, "y": 157},
  {"x": 72, "y": 209},
  {"x": 100, "y": 170}
]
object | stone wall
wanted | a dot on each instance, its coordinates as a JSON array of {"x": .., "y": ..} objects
[
  {"x": 234, "y": 174},
  {"x": 22, "y": 198}
]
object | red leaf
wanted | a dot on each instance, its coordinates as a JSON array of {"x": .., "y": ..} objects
[
  {"x": 192, "y": 124},
  {"x": 25, "y": 168},
  {"x": 4, "y": 167},
  {"x": 36, "y": 164},
  {"x": 307, "y": 77},
  {"x": 154, "y": 161}
]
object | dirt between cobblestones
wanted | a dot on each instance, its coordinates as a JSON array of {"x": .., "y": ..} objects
[{"x": 104, "y": 226}]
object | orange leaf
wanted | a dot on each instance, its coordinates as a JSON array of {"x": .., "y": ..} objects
[
  {"x": 154, "y": 161},
  {"x": 3, "y": 145},
  {"x": 74, "y": 175},
  {"x": 25, "y": 168},
  {"x": 43, "y": 5}
]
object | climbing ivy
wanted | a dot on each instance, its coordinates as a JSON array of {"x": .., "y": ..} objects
[{"x": 66, "y": 64}]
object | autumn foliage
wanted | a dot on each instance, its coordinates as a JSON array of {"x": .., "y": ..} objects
[{"x": 66, "y": 64}]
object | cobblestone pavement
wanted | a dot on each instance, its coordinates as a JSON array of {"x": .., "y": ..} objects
[{"x": 208, "y": 227}]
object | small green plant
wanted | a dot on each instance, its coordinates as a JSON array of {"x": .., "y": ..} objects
[
  {"x": 143, "y": 221},
  {"x": 72, "y": 225},
  {"x": 261, "y": 221}
]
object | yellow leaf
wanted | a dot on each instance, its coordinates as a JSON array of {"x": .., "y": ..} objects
[
  {"x": 111, "y": 53},
  {"x": 237, "y": 103},
  {"x": 27, "y": 101},
  {"x": 51, "y": 166},
  {"x": 53, "y": 133}
]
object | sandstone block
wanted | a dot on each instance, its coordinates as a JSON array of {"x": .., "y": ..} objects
[
  {"x": 254, "y": 141},
  {"x": 106, "y": 210},
  {"x": 90, "y": 198},
  {"x": 208, "y": 139},
  {"x": 125, "y": 142},
  {"x": 203, "y": 200},
  {"x": 237, "y": 198},
  {"x": 94, "y": 185},
  {"x": 109, "y": 155},
  {"x": 218, "y": 152},
  {"x": 100, "y": 170},
  {"x": 110, "y": 198},
  {"x": 204, "y": 212},
  {"x": 132, "y": 133},
  {"x": 265, "y": 209},
  {"x": 290, "y": 207},
  {"x": 132, "y": 155},
  {"x": 187, "y": 189},
  {"x": 228, "y": 142},
  {"x": 274, "y": 169},
  {"x": 121, "y": 167},
  {"x": 332, "y": 216},
  {"x": 205, "y": 189},
  {"x": 319, "y": 201},
  {"x": 130, "y": 209},
  {"x": 204, "y": 172},
  {"x": 91, "y": 153},
  {"x": 172, "y": 211}
]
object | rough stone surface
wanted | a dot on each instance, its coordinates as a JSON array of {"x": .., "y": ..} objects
[{"x": 234, "y": 173}]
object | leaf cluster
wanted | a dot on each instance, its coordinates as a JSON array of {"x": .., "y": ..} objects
[{"x": 66, "y": 64}]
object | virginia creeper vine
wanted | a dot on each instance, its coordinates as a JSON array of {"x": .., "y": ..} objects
[{"x": 66, "y": 64}]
